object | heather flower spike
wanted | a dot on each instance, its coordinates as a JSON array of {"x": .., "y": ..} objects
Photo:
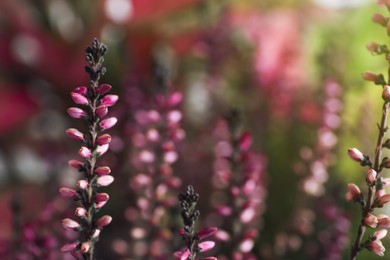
[
  {"x": 190, "y": 214},
  {"x": 376, "y": 196},
  {"x": 94, "y": 103}
]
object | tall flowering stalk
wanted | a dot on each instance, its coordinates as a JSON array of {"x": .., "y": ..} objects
[
  {"x": 376, "y": 196},
  {"x": 94, "y": 102},
  {"x": 239, "y": 174},
  {"x": 190, "y": 214}
]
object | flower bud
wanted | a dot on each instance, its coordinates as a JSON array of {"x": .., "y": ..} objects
[
  {"x": 376, "y": 247},
  {"x": 374, "y": 47},
  {"x": 206, "y": 245},
  {"x": 68, "y": 193},
  {"x": 206, "y": 232},
  {"x": 82, "y": 90},
  {"x": 70, "y": 247},
  {"x": 109, "y": 100},
  {"x": 370, "y": 76},
  {"x": 101, "y": 197},
  {"x": 75, "y": 134},
  {"x": 103, "y": 221},
  {"x": 102, "y": 149},
  {"x": 379, "y": 19},
  {"x": 101, "y": 111},
  {"x": 354, "y": 193},
  {"x": 85, "y": 152},
  {"x": 103, "y": 139},
  {"x": 174, "y": 117},
  {"x": 108, "y": 123},
  {"x": 386, "y": 93},
  {"x": 105, "y": 180},
  {"x": 371, "y": 176},
  {"x": 79, "y": 99},
  {"x": 96, "y": 233},
  {"x": 380, "y": 234},
  {"x": 85, "y": 246},
  {"x": 80, "y": 212},
  {"x": 102, "y": 170},
  {"x": 383, "y": 221},
  {"x": 82, "y": 184},
  {"x": 370, "y": 220},
  {"x": 355, "y": 154},
  {"x": 102, "y": 89},
  {"x": 76, "y": 164},
  {"x": 70, "y": 224},
  {"x": 76, "y": 112},
  {"x": 382, "y": 200}
]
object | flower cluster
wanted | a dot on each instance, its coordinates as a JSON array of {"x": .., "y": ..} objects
[
  {"x": 239, "y": 175},
  {"x": 94, "y": 102},
  {"x": 376, "y": 196},
  {"x": 155, "y": 134},
  {"x": 190, "y": 214},
  {"x": 319, "y": 157}
]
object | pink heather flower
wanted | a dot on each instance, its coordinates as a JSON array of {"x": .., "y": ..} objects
[
  {"x": 75, "y": 134},
  {"x": 70, "y": 247},
  {"x": 80, "y": 212},
  {"x": 102, "y": 149},
  {"x": 206, "y": 232},
  {"x": 379, "y": 19},
  {"x": 79, "y": 99},
  {"x": 386, "y": 93},
  {"x": 174, "y": 116},
  {"x": 223, "y": 210},
  {"x": 99, "y": 197},
  {"x": 108, "y": 123},
  {"x": 85, "y": 152},
  {"x": 206, "y": 245},
  {"x": 103, "y": 139},
  {"x": 383, "y": 221},
  {"x": 382, "y": 200},
  {"x": 109, "y": 100},
  {"x": 170, "y": 157},
  {"x": 103, "y": 221},
  {"x": 182, "y": 255},
  {"x": 76, "y": 112},
  {"x": 96, "y": 233},
  {"x": 379, "y": 193},
  {"x": 103, "y": 88},
  {"x": 103, "y": 170},
  {"x": 82, "y": 184},
  {"x": 70, "y": 224},
  {"x": 105, "y": 180},
  {"x": 100, "y": 204},
  {"x": 355, "y": 154},
  {"x": 354, "y": 193},
  {"x": 85, "y": 246},
  {"x": 373, "y": 46},
  {"x": 154, "y": 116},
  {"x": 377, "y": 247},
  {"x": 75, "y": 164},
  {"x": 370, "y": 220},
  {"x": 247, "y": 215},
  {"x": 181, "y": 232},
  {"x": 146, "y": 156},
  {"x": 175, "y": 98},
  {"x": 380, "y": 234},
  {"x": 386, "y": 181},
  {"x": 369, "y": 76},
  {"x": 68, "y": 193},
  {"x": 101, "y": 111},
  {"x": 245, "y": 141},
  {"x": 371, "y": 176},
  {"x": 153, "y": 135},
  {"x": 82, "y": 90},
  {"x": 246, "y": 245}
]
